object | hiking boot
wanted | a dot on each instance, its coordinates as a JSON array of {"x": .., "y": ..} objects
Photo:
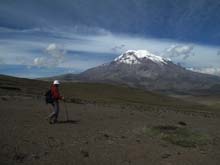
[
  {"x": 47, "y": 118},
  {"x": 50, "y": 120}
]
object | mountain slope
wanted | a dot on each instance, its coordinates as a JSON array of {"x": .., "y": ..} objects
[
  {"x": 143, "y": 69},
  {"x": 86, "y": 93}
]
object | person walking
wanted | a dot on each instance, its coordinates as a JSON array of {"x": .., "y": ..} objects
[{"x": 56, "y": 97}]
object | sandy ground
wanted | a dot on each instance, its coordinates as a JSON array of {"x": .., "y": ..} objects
[{"x": 98, "y": 135}]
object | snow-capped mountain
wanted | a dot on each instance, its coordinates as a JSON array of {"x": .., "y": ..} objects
[
  {"x": 140, "y": 68},
  {"x": 137, "y": 56}
]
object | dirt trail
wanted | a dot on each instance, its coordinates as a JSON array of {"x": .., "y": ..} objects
[{"x": 98, "y": 135}]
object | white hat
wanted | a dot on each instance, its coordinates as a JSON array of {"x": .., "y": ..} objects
[{"x": 56, "y": 82}]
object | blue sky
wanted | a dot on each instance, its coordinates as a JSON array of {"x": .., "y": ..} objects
[{"x": 43, "y": 37}]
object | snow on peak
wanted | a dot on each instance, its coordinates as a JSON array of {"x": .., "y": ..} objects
[{"x": 136, "y": 56}]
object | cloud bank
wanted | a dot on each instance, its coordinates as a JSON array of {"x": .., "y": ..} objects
[
  {"x": 190, "y": 20},
  {"x": 207, "y": 70},
  {"x": 58, "y": 49},
  {"x": 185, "y": 51}
]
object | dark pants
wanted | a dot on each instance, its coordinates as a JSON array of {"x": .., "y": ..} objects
[{"x": 56, "y": 109}]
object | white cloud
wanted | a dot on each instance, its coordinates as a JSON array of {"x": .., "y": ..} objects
[
  {"x": 55, "y": 51},
  {"x": 207, "y": 70},
  {"x": 45, "y": 62},
  {"x": 185, "y": 51},
  {"x": 54, "y": 56},
  {"x": 40, "y": 61},
  {"x": 51, "y": 47}
]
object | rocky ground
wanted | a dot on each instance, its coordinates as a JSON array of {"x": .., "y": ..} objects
[
  {"x": 100, "y": 134},
  {"x": 106, "y": 124}
]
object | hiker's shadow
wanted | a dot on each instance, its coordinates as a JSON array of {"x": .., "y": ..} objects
[{"x": 68, "y": 122}]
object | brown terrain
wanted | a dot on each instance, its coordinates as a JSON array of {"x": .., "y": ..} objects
[{"x": 106, "y": 125}]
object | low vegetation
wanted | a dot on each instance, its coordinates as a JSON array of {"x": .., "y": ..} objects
[{"x": 181, "y": 136}]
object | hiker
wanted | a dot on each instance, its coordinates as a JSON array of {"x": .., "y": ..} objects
[{"x": 56, "y": 97}]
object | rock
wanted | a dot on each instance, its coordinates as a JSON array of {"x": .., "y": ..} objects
[
  {"x": 182, "y": 123},
  {"x": 20, "y": 157},
  {"x": 106, "y": 135},
  {"x": 84, "y": 153},
  {"x": 165, "y": 156}
]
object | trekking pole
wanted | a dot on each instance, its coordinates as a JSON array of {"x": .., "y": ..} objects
[{"x": 66, "y": 111}]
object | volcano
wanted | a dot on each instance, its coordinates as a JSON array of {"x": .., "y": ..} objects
[{"x": 143, "y": 69}]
